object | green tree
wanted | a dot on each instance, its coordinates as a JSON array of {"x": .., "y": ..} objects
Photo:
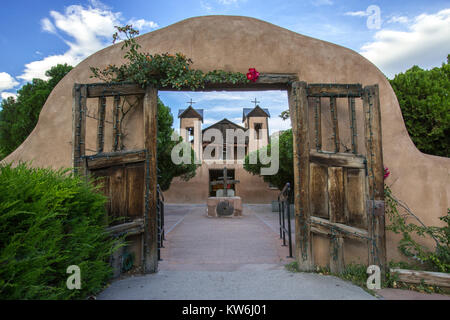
[
  {"x": 167, "y": 170},
  {"x": 18, "y": 117},
  {"x": 424, "y": 99},
  {"x": 286, "y": 170}
]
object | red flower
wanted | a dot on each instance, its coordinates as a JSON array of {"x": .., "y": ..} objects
[
  {"x": 386, "y": 173},
  {"x": 252, "y": 74}
]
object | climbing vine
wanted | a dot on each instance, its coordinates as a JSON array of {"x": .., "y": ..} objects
[
  {"x": 161, "y": 70},
  {"x": 434, "y": 260}
]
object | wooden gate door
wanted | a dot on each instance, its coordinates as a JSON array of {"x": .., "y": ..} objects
[
  {"x": 338, "y": 194},
  {"x": 128, "y": 177}
]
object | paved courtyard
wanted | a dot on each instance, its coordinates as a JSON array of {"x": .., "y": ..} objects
[{"x": 227, "y": 259}]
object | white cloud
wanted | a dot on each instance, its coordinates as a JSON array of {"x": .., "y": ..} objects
[
  {"x": 356, "y": 13},
  {"x": 142, "y": 24},
  {"x": 90, "y": 28},
  {"x": 47, "y": 25},
  {"x": 278, "y": 124},
  {"x": 424, "y": 43},
  {"x": 85, "y": 30},
  {"x": 6, "y": 95},
  {"x": 7, "y": 81},
  {"x": 398, "y": 19}
]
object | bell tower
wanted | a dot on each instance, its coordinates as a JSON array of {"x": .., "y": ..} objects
[
  {"x": 191, "y": 127},
  {"x": 256, "y": 121}
]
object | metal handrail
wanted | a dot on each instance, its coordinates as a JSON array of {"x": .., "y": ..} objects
[
  {"x": 160, "y": 218},
  {"x": 283, "y": 213}
]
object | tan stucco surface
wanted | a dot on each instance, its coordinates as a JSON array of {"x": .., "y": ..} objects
[{"x": 235, "y": 44}]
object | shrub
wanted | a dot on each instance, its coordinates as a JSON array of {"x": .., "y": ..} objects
[{"x": 50, "y": 220}]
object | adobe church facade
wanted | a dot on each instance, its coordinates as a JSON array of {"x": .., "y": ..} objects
[{"x": 214, "y": 157}]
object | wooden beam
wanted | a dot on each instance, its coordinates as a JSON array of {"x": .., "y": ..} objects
[
  {"x": 97, "y": 90},
  {"x": 334, "y": 90},
  {"x": 151, "y": 226},
  {"x": 104, "y": 160},
  {"x": 298, "y": 106},
  {"x": 101, "y": 124},
  {"x": 343, "y": 229},
  {"x": 266, "y": 81},
  {"x": 375, "y": 169},
  {"x": 320, "y": 231},
  {"x": 133, "y": 227},
  {"x": 346, "y": 160},
  {"x": 439, "y": 279}
]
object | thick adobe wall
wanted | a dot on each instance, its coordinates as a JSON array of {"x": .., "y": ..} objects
[{"x": 235, "y": 44}]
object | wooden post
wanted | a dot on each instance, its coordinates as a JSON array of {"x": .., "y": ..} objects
[
  {"x": 101, "y": 124},
  {"x": 334, "y": 120},
  {"x": 79, "y": 127},
  {"x": 336, "y": 199},
  {"x": 116, "y": 124},
  {"x": 375, "y": 169},
  {"x": 318, "y": 122},
  {"x": 336, "y": 254},
  {"x": 353, "y": 128},
  {"x": 298, "y": 108},
  {"x": 150, "y": 135}
]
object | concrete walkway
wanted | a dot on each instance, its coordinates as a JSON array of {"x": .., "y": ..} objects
[{"x": 227, "y": 259}]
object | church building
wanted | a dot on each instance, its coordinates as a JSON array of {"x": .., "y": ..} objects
[{"x": 223, "y": 144}]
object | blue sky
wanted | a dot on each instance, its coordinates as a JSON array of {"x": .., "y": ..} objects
[{"x": 38, "y": 34}]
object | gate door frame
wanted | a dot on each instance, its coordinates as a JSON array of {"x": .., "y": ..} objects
[
  {"x": 298, "y": 93},
  {"x": 306, "y": 223}
]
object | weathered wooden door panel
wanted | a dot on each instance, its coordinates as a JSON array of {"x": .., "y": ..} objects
[
  {"x": 128, "y": 177},
  {"x": 319, "y": 190},
  {"x": 101, "y": 178},
  {"x": 355, "y": 198},
  {"x": 135, "y": 190},
  {"x": 124, "y": 187},
  {"x": 332, "y": 189},
  {"x": 336, "y": 196},
  {"x": 118, "y": 194}
]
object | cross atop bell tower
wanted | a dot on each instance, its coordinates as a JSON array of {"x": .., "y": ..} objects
[
  {"x": 191, "y": 103},
  {"x": 255, "y": 102}
]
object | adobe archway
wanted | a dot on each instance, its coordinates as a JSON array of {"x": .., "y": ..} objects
[{"x": 235, "y": 44}]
